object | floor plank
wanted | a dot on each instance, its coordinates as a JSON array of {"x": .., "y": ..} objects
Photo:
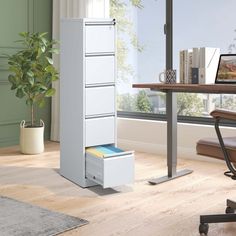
[{"x": 168, "y": 209}]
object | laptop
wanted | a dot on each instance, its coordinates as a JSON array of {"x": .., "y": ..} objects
[{"x": 226, "y": 71}]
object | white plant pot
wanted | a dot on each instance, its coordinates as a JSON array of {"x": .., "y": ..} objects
[{"x": 31, "y": 138}]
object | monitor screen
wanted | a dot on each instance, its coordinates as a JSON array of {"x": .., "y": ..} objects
[{"x": 226, "y": 72}]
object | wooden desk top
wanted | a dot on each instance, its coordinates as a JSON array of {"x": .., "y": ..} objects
[{"x": 190, "y": 88}]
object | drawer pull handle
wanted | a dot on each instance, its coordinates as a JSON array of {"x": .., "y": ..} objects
[{"x": 113, "y": 22}]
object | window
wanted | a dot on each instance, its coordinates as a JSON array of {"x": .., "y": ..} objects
[
  {"x": 141, "y": 52},
  {"x": 141, "y": 47},
  {"x": 201, "y": 23}
]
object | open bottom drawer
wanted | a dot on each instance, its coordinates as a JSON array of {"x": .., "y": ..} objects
[{"x": 114, "y": 170}]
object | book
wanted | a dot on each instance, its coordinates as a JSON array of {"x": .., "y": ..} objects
[
  {"x": 195, "y": 63},
  {"x": 195, "y": 66},
  {"x": 198, "y": 65},
  {"x": 209, "y": 58},
  {"x": 185, "y": 66},
  {"x": 189, "y": 66},
  {"x": 195, "y": 75},
  {"x": 181, "y": 66},
  {"x": 187, "y": 60}
]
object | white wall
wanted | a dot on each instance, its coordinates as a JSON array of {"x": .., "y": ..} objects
[{"x": 150, "y": 136}]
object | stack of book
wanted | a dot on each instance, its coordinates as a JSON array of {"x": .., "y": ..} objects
[
  {"x": 104, "y": 151},
  {"x": 198, "y": 65}
]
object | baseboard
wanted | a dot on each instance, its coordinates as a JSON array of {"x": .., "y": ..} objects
[
  {"x": 142, "y": 146},
  {"x": 161, "y": 150}
]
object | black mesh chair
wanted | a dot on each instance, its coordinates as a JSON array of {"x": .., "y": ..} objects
[{"x": 220, "y": 148}]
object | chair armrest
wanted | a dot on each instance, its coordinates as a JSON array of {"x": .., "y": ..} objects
[{"x": 223, "y": 114}]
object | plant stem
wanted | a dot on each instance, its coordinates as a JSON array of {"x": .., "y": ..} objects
[{"x": 32, "y": 114}]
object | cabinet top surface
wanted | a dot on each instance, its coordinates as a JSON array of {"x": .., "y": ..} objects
[{"x": 190, "y": 88}]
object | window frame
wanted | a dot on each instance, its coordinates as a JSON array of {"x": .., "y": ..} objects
[{"x": 168, "y": 31}]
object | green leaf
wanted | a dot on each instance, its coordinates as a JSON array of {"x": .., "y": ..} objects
[
  {"x": 14, "y": 69},
  {"x": 11, "y": 63},
  {"x": 43, "y": 48},
  {"x": 44, "y": 41},
  {"x": 13, "y": 87},
  {"x": 43, "y": 34},
  {"x": 50, "y": 92},
  {"x": 50, "y": 61},
  {"x": 54, "y": 50},
  {"x": 42, "y": 87},
  {"x": 54, "y": 78},
  {"x": 31, "y": 80},
  {"x": 20, "y": 93},
  {"x": 41, "y": 103},
  {"x": 12, "y": 79},
  {"x": 30, "y": 73},
  {"x": 49, "y": 68},
  {"x": 24, "y": 34}
]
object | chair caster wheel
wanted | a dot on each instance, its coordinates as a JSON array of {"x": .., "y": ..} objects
[
  {"x": 203, "y": 228},
  {"x": 229, "y": 210}
]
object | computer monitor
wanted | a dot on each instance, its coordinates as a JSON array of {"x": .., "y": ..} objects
[{"x": 226, "y": 71}]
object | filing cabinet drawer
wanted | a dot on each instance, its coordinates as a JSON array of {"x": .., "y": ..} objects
[
  {"x": 100, "y": 69},
  {"x": 99, "y": 38},
  {"x": 112, "y": 171},
  {"x": 100, "y": 100},
  {"x": 99, "y": 131}
]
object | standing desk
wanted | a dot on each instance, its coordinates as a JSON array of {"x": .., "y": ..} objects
[{"x": 171, "y": 113}]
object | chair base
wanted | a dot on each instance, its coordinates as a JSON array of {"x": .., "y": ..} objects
[{"x": 229, "y": 216}]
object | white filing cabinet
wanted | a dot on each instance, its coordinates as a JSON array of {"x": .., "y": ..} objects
[{"x": 88, "y": 104}]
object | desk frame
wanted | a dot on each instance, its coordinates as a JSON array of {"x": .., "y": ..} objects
[{"x": 171, "y": 113}]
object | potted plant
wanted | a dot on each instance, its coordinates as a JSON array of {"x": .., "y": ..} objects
[{"x": 31, "y": 75}]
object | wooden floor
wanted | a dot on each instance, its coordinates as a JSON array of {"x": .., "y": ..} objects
[{"x": 168, "y": 209}]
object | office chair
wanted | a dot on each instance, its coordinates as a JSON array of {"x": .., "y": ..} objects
[{"x": 220, "y": 148}]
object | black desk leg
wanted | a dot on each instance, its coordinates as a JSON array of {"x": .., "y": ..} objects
[{"x": 171, "y": 112}]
